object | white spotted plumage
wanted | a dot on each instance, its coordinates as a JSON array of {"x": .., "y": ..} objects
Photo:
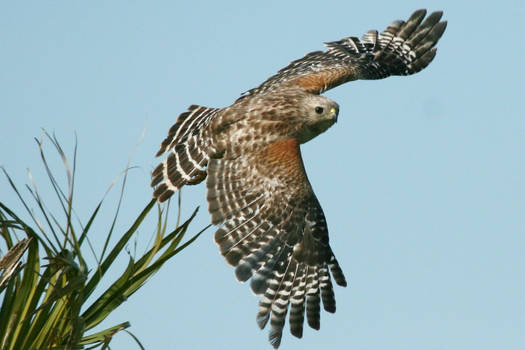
[{"x": 272, "y": 227}]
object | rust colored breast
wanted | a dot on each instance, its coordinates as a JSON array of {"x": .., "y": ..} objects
[{"x": 284, "y": 156}]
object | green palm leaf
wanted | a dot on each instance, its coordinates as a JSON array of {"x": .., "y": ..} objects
[{"x": 46, "y": 286}]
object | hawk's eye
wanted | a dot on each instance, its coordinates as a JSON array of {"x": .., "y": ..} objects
[{"x": 319, "y": 110}]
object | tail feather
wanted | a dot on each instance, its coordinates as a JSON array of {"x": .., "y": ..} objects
[{"x": 188, "y": 153}]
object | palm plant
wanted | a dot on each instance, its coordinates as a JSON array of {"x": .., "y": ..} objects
[{"x": 54, "y": 299}]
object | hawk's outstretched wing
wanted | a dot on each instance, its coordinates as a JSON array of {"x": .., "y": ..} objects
[
  {"x": 275, "y": 233},
  {"x": 403, "y": 48},
  {"x": 273, "y": 229},
  {"x": 188, "y": 152}
]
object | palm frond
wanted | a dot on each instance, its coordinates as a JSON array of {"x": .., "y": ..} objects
[{"x": 51, "y": 297}]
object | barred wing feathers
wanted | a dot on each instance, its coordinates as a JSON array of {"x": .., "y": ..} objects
[
  {"x": 189, "y": 148},
  {"x": 275, "y": 233},
  {"x": 403, "y": 48}
]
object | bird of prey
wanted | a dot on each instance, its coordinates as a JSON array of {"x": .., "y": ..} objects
[{"x": 272, "y": 228}]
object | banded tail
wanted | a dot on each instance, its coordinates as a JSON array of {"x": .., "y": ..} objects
[{"x": 188, "y": 156}]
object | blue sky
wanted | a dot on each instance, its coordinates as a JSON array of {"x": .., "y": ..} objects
[{"x": 421, "y": 180}]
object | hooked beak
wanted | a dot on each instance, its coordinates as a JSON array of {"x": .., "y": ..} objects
[{"x": 334, "y": 112}]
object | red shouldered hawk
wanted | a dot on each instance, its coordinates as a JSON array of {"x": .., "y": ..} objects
[{"x": 273, "y": 229}]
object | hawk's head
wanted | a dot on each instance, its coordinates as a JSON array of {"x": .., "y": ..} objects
[{"x": 317, "y": 114}]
